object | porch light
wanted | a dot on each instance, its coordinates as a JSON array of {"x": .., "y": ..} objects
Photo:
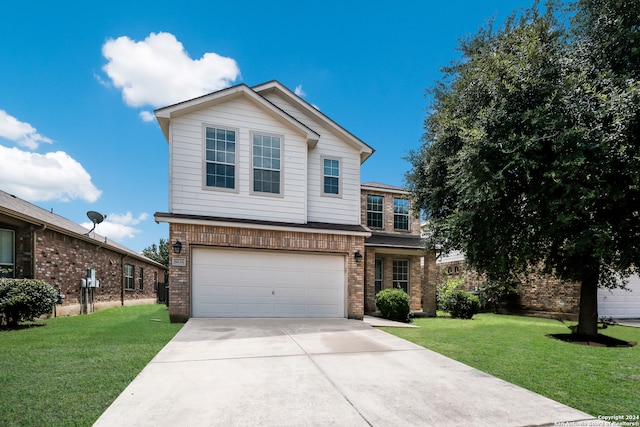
[
  {"x": 177, "y": 247},
  {"x": 358, "y": 256}
]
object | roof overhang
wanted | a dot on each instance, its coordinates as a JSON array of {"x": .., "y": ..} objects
[{"x": 310, "y": 227}]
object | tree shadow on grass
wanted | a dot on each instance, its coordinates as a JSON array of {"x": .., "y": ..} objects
[{"x": 595, "y": 341}]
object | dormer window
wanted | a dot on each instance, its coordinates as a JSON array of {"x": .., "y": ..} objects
[{"x": 401, "y": 214}]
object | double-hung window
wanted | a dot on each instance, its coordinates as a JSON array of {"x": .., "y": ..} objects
[
  {"x": 374, "y": 211},
  {"x": 6, "y": 253},
  {"x": 267, "y": 152},
  {"x": 141, "y": 278},
  {"x": 128, "y": 277},
  {"x": 401, "y": 274},
  {"x": 220, "y": 156},
  {"x": 331, "y": 176},
  {"x": 401, "y": 214}
]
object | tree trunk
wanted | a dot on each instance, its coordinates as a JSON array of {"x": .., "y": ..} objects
[{"x": 588, "y": 317}]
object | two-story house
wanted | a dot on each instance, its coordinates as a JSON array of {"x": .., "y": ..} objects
[
  {"x": 264, "y": 200},
  {"x": 264, "y": 207},
  {"x": 394, "y": 253}
]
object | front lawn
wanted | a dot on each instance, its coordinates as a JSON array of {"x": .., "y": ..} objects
[
  {"x": 598, "y": 381},
  {"x": 68, "y": 372}
]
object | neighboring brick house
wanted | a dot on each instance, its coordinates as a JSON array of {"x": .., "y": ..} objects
[
  {"x": 264, "y": 203},
  {"x": 395, "y": 255},
  {"x": 538, "y": 294},
  {"x": 38, "y": 244}
]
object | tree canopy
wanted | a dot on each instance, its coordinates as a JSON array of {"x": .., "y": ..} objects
[
  {"x": 159, "y": 253},
  {"x": 531, "y": 155}
]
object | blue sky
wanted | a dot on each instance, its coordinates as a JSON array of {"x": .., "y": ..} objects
[{"x": 80, "y": 80}]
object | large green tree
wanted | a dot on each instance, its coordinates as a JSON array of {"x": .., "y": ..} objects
[
  {"x": 531, "y": 156},
  {"x": 159, "y": 253}
]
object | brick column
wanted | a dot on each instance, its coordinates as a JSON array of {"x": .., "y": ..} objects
[
  {"x": 179, "y": 289},
  {"x": 429, "y": 283}
]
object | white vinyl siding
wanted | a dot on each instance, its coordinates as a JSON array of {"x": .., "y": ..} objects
[
  {"x": 336, "y": 210},
  {"x": 189, "y": 195}
]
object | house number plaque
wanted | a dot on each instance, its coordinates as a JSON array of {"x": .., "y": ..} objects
[{"x": 179, "y": 262}]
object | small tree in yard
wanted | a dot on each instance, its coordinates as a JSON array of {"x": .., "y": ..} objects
[
  {"x": 531, "y": 155},
  {"x": 455, "y": 301},
  {"x": 25, "y": 300}
]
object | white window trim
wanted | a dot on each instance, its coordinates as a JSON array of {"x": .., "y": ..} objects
[
  {"x": 133, "y": 277},
  {"x": 236, "y": 188},
  {"x": 408, "y": 215},
  {"x": 381, "y": 212},
  {"x": 13, "y": 252},
  {"x": 340, "y": 174},
  {"x": 260, "y": 193},
  {"x": 408, "y": 274}
]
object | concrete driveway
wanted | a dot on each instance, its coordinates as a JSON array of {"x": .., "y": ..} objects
[{"x": 317, "y": 372}]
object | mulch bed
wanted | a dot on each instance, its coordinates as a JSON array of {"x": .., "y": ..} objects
[{"x": 595, "y": 341}]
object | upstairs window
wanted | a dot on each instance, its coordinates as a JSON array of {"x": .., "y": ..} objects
[
  {"x": 374, "y": 211},
  {"x": 128, "y": 277},
  {"x": 266, "y": 164},
  {"x": 401, "y": 214},
  {"x": 220, "y": 158},
  {"x": 331, "y": 177}
]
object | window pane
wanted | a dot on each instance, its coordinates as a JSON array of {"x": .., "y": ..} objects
[
  {"x": 6, "y": 247},
  {"x": 331, "y": 185}
]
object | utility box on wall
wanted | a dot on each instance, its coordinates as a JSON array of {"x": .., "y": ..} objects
[{"x": 90, "y": 281}]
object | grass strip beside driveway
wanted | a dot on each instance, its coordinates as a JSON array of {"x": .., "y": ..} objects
[
  {"x": 598, "y": 381},
  {"x": 68, "y": 372}
]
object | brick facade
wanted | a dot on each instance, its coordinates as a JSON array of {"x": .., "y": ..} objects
[
  {"x": 538, "y": 294},
  {"x": 62, "y": 261},
  {"x": 251, "y": 238},
  {"x": 422, "y": 285}
]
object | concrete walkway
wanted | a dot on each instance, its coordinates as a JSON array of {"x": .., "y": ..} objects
[{"x": 317, "y": 372}]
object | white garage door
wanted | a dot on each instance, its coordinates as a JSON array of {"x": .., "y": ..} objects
[
  {"x": 620, "y": 304},
  {"x": 250, "y": 283}
]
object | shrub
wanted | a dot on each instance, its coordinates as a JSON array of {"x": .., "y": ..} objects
[
  {"x": 461, "y": 304},
  {"x": 444, "y": 289},
  {"x": 25, "y": 299},
  {"x": 494, "y": 293},
  {"x": 393, "y": 304}
]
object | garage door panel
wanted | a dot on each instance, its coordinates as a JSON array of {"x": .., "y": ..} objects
[
  {"x": 246, "y": 283},
  {"x": 620, "y": 303}
]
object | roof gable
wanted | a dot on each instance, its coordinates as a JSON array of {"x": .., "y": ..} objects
[
  {"x": 165, "y": 114},
  {"x": 275, "y": 86}
]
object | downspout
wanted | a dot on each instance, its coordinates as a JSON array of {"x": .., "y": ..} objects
[{"x": 122, "y": 279}]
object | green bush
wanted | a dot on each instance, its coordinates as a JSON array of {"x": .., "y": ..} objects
[
  {"x": 393, "y": 304},
  {"x": 493, "y": 294},
  {"x": 25, "y": 299},
  {"x": 460, "y": 304}
]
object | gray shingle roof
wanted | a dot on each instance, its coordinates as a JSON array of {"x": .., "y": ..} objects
[{"x": 15, "y": 207}]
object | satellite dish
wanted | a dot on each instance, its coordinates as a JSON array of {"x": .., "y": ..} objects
[{"x": 96, "y": 218}]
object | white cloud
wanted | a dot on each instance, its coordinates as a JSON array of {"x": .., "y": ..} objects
[
  {"x": 158, "y": 71},
  {"x": 118, "y": 227},
  {"x": 147, "y": 116},
  {"x": 298, "y": 91},
  {"x": 22, "y": 133},
  {"x": 49, "y": 176}
]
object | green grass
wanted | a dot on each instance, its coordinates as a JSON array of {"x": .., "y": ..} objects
[
  {"x": 68, "y": 372},
  {"x": 598, "y": 381}
]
